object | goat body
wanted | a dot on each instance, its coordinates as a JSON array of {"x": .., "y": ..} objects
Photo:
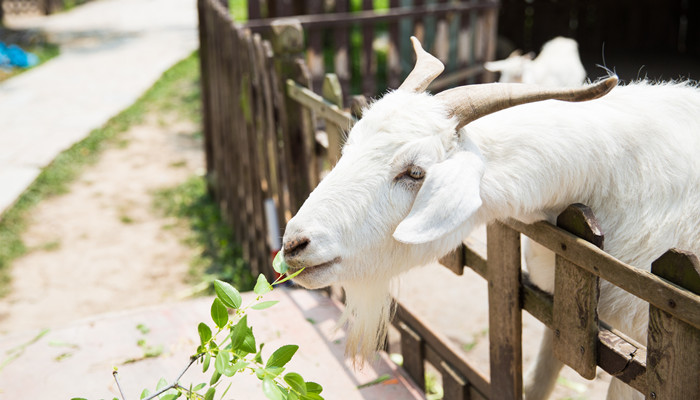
[{"x": 409, "y": 188}]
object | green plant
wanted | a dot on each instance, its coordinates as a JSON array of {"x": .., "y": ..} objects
[{"x": 238, "y": 350}]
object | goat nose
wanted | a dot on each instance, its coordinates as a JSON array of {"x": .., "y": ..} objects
[{"x": 295, "y": 246}]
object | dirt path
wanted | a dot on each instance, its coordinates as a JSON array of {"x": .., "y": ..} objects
[{"x": 101, "y": 247}]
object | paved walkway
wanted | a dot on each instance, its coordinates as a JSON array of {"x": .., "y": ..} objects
[
  {"x": 111, "y": 52},
  {"x": 77, "y": 360}
]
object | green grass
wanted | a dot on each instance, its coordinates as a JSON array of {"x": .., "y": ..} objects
[
  {"x": 176, "y": 91},
  {"x": 44, "y": 52},
  {"x": 220, "y": 257}
]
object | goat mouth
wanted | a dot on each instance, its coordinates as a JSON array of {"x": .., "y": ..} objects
[{"x": 315, "y": 268}]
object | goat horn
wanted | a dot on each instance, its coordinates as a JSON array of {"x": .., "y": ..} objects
[
  {"x": 426, "y": 69},
  {"x": 471, "y": 102}
]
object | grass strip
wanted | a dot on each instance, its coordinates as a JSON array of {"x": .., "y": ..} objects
[{"x": 177, "y": 90}]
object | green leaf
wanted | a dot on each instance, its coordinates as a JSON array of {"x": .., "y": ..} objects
[
  {"x": 199, "y": 387},
  {"x": 258, "y": 356},
  {"x": 214, "y": 377},
  {"x": 223, "y": 360},
  {"x": 170, "y": 396},
  {"x": 273, "y": 372},
  {"x": 262, "y": 286},
  {"x": 288, "y": 277},
  {"x": 207, "y": 360},
  {"x": 227, "y": 294},
  {"x": 145, "y": 393},
  {"x": 296, "y": 382},
  {"x": 204, "y": 332},
  {"x": 271, "y": 390},
  {"x": 219, "y": 313},
  {"x": 162, "y": 384},
  {"x": 377, "y": 381},
  {"x": 209, "y": 395},
  {"x": 282, "y": 356},
  {"x": 292, "y": 396},
  {"x": 313, "y": 387},
  {"x": 242, "y": 336},
  {"x": 279, "y": 265},
  {"x": 265, "y": 304},
  {"x": 311, "y": 396}
]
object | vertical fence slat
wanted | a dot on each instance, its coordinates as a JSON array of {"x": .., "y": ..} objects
[
  {"x": 341, "y": 41},
  {"x": 333, "y": 92},
  {"x": 369, "y": 58},
  {"x": 673, "y": 346},
  {"x": 505, "y": 323},
  {"x": 576, "y": 292},
  {"x": 314, "y": 48},
  {"x": 288, "y": 42},
  {"x": 413, "y": 352},
  {"x": 454, "y": 385}
]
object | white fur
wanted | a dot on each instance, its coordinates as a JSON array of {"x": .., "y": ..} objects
[
  {"x": 558, "y": 64},
  {"x": 632, "y": 156}
]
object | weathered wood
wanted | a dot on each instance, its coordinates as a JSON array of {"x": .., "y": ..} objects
[
  {"x": 673, "y": 346},
  {"x": 393, "y": 55},
  {"x": 314, "y": 48},
  {"x": 454, "y": 260},
  {"x": 288, "y": 41},
  {"x": 341, "y": 58},
  {"x": 412, "y": 352},
  {"x": 454, "y": 385},
  {"x": 333, "y": 92},
  {"x": 640, "y": 283},
  {"x": 505, "y": 322},
  {"x": 205, "y": 87},
  {"x": 576, "y": 293},
  {"x": 369, "y": 58},
  {"x": 439, "y": 348},
  {"x": 370, "y": 16},
  {"x": 358, "y": 104},
  {"x": 321, "y": 107}
]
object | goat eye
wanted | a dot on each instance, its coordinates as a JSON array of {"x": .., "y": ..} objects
[{"x": 416, "y": 172}]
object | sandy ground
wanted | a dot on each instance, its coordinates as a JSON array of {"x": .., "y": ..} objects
[{"x": 101, "y": 247}]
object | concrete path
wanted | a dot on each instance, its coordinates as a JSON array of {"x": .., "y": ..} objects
[
  {"x": 111, "y": 52},
  {"x": 77, "y": 360}
]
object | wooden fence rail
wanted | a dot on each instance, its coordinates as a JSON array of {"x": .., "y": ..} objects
[
  {"x": 369, "y": 50},
  {"x": 269, "y": 138}
]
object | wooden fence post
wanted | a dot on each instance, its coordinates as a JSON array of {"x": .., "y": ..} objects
[
  {"x": 413, "y": 352},
  {"x": 288, "y": 44},
  {"x": 673, "y": 346},
  {"x": 505, "y": 319},
  {"x": 332, "y": 92},
  {"x": 576, "y": 292}
]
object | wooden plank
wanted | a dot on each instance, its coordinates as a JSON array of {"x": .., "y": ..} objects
[
  {"x": 393, "y": 55},
  {"x": 412, "y": 352},
  {"x": 505, "y": 321},
  {"x": 370, "y": 16},
  {"x": 314, "y": 47},
  {"x": 205, "y": 87},
  {"x": 576, "y": 293},
  {"x": 640, "y": 283},
  {"x": 333, "y": 93},
  {"x": 368, "y": 59},
  {"x": 454, "y": 385},
  {"x": 490, "y": 33},
  {"x": 673, "y": 346},
  {"x": 288, "y": 43},
  {"x": 439, "y": 348},
  {"x": 341, "y": 58},
  {"x": 454, "y": 260},
  {"x": 320, "y": 106}
]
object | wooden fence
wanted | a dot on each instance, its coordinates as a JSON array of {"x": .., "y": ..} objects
[
  {"x": 264, "y": 153},
  {"x": 8, "y": 7},
  {"x": 369, "y": 50}
]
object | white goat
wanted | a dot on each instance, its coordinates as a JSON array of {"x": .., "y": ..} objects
[
  {"x": 558, "y": 64},
  {"x": 419, "y": 172}
]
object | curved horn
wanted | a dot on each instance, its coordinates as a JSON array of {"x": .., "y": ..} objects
[
  {"x": 471, "y": 102},
  {"x": 426, "y": 69}
]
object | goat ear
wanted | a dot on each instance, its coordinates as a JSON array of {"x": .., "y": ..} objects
[{"x": 448, "y": 197}]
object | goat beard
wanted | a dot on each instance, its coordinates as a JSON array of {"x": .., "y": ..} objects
[{"x": 368, "y": 312}]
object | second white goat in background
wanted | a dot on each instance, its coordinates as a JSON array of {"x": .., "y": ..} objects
[{"x": 558, "y": 64}]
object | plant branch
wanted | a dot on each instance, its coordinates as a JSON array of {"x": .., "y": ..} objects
[
  {"x": 115, "y": 373},
  {"x": 177, "y": 381}
]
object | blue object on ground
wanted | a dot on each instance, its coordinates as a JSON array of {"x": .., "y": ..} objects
[{"x": 14, "y": 56}]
